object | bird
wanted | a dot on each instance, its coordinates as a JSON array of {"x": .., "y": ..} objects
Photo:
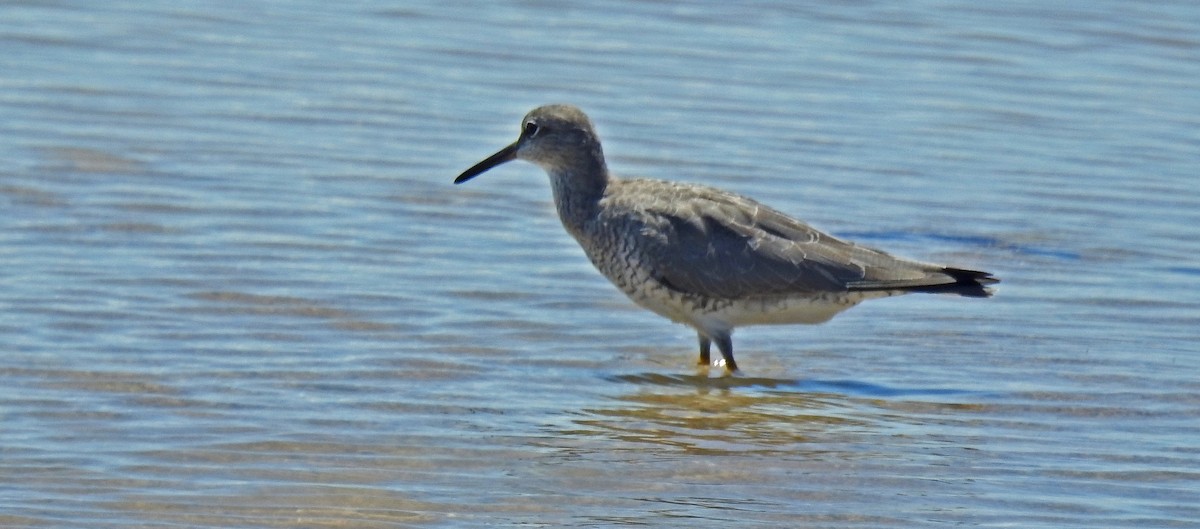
[{"x": 704, "y": 257}]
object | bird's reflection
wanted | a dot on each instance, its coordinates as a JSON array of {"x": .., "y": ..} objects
[
  {"x": 696, "y": 413},
  {"x": 699, "y": 414}
]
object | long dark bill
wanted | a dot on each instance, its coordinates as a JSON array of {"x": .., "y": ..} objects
[{"x": 506, "y": 154}]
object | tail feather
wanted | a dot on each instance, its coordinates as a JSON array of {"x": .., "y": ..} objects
[{"x": 969, "y": 283}]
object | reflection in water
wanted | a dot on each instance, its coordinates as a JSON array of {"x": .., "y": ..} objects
[
  {"x": 832, "y": 447},
  {"x": 728, "y": 415},
  {"x": 747, "y": 415}
]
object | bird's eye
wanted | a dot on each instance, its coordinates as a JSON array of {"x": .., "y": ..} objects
[{"x": 531, "y": 129}]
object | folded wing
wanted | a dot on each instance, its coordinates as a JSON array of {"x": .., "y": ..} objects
[{"x": 709, "y": 242}]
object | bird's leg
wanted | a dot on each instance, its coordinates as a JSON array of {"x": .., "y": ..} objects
[
  {"x": 705, "y": 350},
  {"x": 725, "y": 345}
]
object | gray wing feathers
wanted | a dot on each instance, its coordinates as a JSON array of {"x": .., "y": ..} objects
[{"x": 717, "y": 244}]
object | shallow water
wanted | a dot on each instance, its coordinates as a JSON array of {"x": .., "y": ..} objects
[{"x": 239, "y": 289}]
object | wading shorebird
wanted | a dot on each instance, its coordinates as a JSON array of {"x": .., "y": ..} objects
[{"x": 704, "y": 257}]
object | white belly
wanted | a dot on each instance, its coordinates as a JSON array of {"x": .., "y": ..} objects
[{"x": 728, "y": 314}]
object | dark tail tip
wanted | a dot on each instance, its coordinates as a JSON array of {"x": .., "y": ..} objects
[{"x": 969, "y": 283}]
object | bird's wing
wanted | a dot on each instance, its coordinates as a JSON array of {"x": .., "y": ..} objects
[{"x": 710, "y": 242}]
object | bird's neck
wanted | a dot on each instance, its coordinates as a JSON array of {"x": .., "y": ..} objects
[{"x": 577, "y": 193}]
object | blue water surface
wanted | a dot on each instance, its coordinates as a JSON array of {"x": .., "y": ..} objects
[{"x": 238, "y": 289}]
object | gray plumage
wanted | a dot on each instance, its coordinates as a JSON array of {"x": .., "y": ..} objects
[{"x": 705, "y": 257}]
